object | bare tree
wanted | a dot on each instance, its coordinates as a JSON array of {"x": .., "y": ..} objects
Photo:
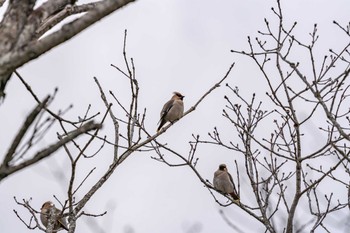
[
  {"x": 307, "y": 100},
  {"x": 287, "y": 176},
  {"x": 130, "y": 137},
  {"x": 25, "y": 35}
]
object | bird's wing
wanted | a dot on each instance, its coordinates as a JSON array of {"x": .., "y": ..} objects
[
  {"x": 166, "y": 108},
  {"x": 215, "y": 179},
  {"x": 61, "y": 220},
  {"x": 63, "y": 224},
  {"x": 229, "y": 175},
  {"x": 233, "y": 183}
]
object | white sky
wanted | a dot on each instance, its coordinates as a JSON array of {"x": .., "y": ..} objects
[{"x": 177, "y": 45}]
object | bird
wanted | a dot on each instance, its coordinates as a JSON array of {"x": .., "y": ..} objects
[
  {"x": 223, "y": 182},
  {"x": 172, "y": 110},
  {"x": 59, "y": 221}
]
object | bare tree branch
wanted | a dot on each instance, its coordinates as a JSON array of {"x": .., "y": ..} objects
[
  {"x": 5, "y": 170},
  {"x": 18, "y": 46}
]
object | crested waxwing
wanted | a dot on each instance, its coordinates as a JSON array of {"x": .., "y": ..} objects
[
  {"x": 60, "y": 222},
  {"x": 223, "y": 182},
  {"x": 172, "y": 110}
]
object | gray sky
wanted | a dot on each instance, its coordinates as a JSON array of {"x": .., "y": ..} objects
[{"x": 177, "y": 45}]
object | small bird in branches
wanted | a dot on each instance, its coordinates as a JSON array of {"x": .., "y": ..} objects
[
  {"x": 223, "y": 182},
  {"x": 49, "y": 208},
  {"x": 172, "y": 110}
]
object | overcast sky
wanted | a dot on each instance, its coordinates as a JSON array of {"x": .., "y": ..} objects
[{"x": 177, "y": 45}]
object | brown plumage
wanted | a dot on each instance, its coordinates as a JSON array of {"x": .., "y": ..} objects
[
  {"x": 59, "y": 223},
  {"x": 223, "y": 182},
  {"x": 172, "y": 110}
]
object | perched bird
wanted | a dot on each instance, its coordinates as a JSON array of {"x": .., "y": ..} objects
[
  {"x": 172, "y": 110},
  {"x": 59, "y": 223},
  {"x": 223, "y": 182}
]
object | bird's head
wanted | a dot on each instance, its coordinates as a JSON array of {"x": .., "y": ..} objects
[
  {"x": 222, "y": 167},
  {"x": 47, "y": 205},
  {"x": 178, "y": 95}
]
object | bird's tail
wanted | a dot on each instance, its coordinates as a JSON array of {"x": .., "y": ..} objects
[
  {"x": 162, "y": 122},
  {"x": 234, "y": 196},
  {"x": 63, "y": 224}
]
